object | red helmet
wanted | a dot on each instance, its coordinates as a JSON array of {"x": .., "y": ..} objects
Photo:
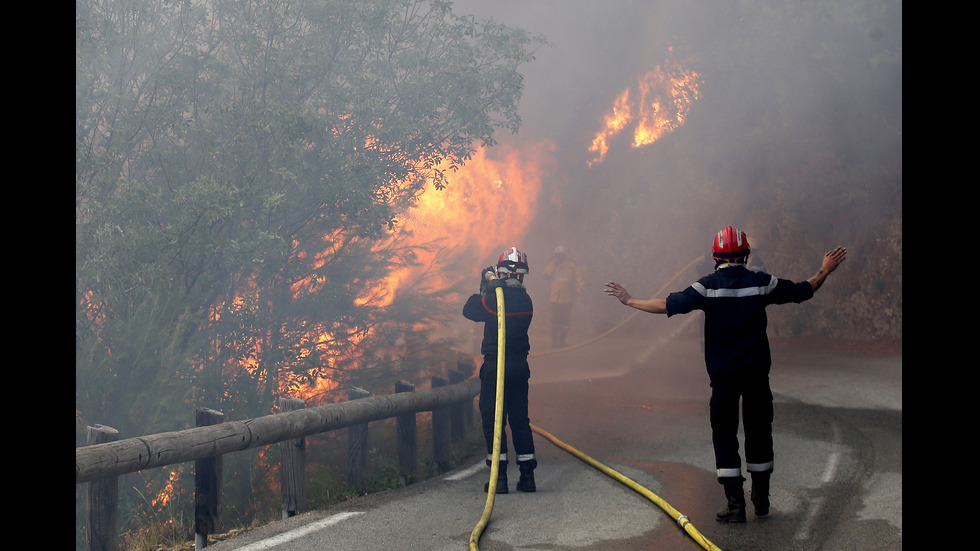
[
  {"x": 730, "y": 244},
  {"x": 512, "y": 261}
]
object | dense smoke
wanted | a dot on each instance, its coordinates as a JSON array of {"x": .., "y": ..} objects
[{"x": 796, "y": 138}]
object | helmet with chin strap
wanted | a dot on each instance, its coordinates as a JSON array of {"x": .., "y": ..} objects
[
  {"x": 512, "y": 263},
  {"x": 730, "y": 244}
]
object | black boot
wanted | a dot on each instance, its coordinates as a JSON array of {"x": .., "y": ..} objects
[
  {"x": 735, "y": 512},
  {"x": 760, "y": 493},
  {"x": 501, "y": 480},
  {"x": 526, "y": 482}
]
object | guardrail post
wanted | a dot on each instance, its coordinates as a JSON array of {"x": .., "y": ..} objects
[
  {"x": 357, "y": 446},
  {"x": 103, "y": 499},
  {"x": 407, "y": 436},
  {"x": 466, "y": 366},
  {"x": 293, "y": 465},
  {"x": 207, "y": 483},
  {"x": 441, "y": 453},
  {"x": 457, "y": 411}
]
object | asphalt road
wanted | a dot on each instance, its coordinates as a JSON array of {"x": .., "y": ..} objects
[{"x": 639, "y": 406}]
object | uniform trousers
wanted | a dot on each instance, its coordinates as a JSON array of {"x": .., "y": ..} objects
[
  {"x": 756, "y": 401},
  {"x": 515, "y": 410}
]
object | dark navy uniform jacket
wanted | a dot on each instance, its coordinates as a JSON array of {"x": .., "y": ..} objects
[
  {"x": 734, "y": 301},
  {"x": 518, "y": 311}
]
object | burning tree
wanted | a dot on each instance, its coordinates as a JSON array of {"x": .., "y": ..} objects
[{"x": 240, "y": 169}]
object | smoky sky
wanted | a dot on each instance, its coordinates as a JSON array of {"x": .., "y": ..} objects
[
  {"x": 598, "y": 48},
  {"x": 785, "y": 87}
]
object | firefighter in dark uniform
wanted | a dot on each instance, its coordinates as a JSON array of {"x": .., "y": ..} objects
[
  {"x": 737, "y": 356},
  {"x": 518, "y": 309}
]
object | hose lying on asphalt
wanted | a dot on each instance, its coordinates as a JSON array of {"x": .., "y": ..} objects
[{"x": 681, "y": 520}]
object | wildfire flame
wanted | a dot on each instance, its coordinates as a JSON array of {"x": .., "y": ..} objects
[
  {"x": 661, "y": 102},
  {"x": 168, "y": 492},
  {"x": 486, "y": 207}
]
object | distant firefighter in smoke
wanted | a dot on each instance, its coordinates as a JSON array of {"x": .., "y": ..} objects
[
  {"x": 482, "y": 307},
  {"x": 567, "y": 284},
  {"x": 737, "y": 356}
]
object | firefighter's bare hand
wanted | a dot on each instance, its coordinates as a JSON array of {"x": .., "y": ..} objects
[
  {"x": 833, "y": 259},
  {"x": 617, "y": 290}
]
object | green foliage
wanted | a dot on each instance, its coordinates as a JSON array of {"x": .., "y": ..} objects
[
  {"x": 237, "y": 167},
  {"x": 324, "y": 487},
  {"x": 382, "y": 476}
]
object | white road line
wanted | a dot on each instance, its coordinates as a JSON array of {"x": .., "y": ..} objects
[
  {"x": 467, "y": 472},
  {"x": 829, "y": 472},
  {"x": 832, "y": 462},
  {"x": 298, "y": 532},
  {"x": 804, "y": 532}
]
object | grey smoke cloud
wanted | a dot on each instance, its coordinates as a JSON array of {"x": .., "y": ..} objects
[{"x": 797, "y": 100}]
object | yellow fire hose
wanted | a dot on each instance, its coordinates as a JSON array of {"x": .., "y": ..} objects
[
  {"x": 498, "y": 414},
  {"x": 681, "y": 520}
]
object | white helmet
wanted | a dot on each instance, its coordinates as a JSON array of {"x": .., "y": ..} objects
[{"x": 512, "y": 261}]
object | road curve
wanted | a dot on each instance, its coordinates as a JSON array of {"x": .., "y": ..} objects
[{"x": 640, "y": 407}]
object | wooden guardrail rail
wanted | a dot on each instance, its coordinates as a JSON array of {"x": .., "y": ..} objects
[{"x": 105, "y": 458}]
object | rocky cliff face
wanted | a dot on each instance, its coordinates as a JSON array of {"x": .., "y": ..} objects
[{"x": 861, "y": 301}]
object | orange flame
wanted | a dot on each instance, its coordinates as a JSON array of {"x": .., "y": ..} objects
[
  {"x": 168, "y": 492},
  {"x": 664, "y": 98},
  {"x": 616, "y": 121},
  {"x": 486, "y": 207}
]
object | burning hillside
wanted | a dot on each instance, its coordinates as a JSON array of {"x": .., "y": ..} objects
[{"x": 657, "y": 104}]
